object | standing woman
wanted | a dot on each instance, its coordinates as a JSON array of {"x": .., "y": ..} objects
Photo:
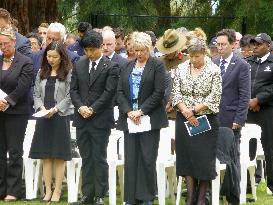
[
  {"x": 196, "y": 91},
  {"x": 16, "y": 75},
  {"x": 140, "y": 92},
  {"x": 51, "y": 140}
]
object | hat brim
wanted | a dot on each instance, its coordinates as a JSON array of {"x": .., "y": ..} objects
[{"x": 179, "y": 45}]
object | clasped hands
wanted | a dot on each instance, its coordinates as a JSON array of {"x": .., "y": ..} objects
[
  {"x": 3, "y": 105},
  {"x": 189, "y": 115},
  {"x": 135, "y": 116},
  {"x": 85, "y": 111},
  {"x": 52, "y": 111}
]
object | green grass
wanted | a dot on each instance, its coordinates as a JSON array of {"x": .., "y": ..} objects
[{"x": 263, "y": 199}]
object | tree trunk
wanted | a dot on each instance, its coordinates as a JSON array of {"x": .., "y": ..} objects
[
  {"x": 31, "y": 13},
  {"x": 163, "y": 8}
]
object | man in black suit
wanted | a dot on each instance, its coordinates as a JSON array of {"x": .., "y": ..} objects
[
  {"x": 108, "y": 48},
  {"x": 93, "y": 86}
]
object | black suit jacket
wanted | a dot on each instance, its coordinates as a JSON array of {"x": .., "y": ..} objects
[
  {"x": 235, "y": 92},
  {"x": 97, "y": 93},
  {"x": 119, "y": 59},
  {"x": 150, "y": 97},
  {"x": 23, "y": 45},
  {"x": 16, "y": 84}
]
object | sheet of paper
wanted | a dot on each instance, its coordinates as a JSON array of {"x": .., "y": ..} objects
[
  {"x": 2, "y": 94},
  {"x": 145, "y": 125},
  {"x": 41, "y": 113}
]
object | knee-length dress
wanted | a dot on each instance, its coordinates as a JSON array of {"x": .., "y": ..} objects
[
  {"x": 196, "y": 155},
  {"x": 52, "y": 136}
]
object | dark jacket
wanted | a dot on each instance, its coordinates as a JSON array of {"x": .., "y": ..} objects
[
  {"x": 226, "y": 154},
  {"x": 262, "y": 80},
  {"x": 150, "y": 97},
  {"x": 235, "y": 92},
  {"x": 23, "y": 45},
  {"x": 76, "y": 48},
  {"x": 97, "y": 92},
  {"x": 16, "y": 84}
]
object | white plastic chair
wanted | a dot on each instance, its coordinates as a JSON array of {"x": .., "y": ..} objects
[
  {"x": 116, "y": 163},
  {"x": 73, "y": 171},
  {"x": 32, "y": 167},
  {"x": 249, "y": 131},
  {"x": 165, "y": 165}
]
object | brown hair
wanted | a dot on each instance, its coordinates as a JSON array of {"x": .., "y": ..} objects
[
  {"x": 5, "y": 15},
  {"x": 65, "y": 65},
  {"x": 44, "y": 25}
]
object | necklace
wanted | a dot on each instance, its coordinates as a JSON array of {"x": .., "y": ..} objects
[{"x": 8, "y": 60}]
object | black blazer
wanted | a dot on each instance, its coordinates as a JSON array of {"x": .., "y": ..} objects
[
  {"x": 16, "y": 83},
  {"x": 97, "y": 93},
  {"x": 151, "y": 94}
]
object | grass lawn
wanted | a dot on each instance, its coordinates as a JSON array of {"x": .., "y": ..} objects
[{"x": 263, "y": 199}]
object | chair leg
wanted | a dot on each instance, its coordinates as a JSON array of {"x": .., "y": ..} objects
[
  {"x": 171, "y": 182},
  {"x": 252, "y": 181},
  {"x": 162, "y": 185},
  {"x": 112, "y": 182},
  {"x": 243, "y": 183},
  {"x": 120, "y": 169},
  {"x": 215, "y": 187},
  {"x": 179, "y": 188}
]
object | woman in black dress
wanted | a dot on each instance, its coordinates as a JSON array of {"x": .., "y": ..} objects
[
  {"x": 196, "y": 91},
  {"x": 51, "y": 140}
]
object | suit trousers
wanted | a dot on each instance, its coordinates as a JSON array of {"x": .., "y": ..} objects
[
  {"x": 12, "y": 132},
  {"x": 140, "y": 151},
  {"x": 93, "y": 144},
  {"x": 263, "y": 118}
]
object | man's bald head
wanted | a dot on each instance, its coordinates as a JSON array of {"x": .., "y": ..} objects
[{"x": 109, "y": 42}]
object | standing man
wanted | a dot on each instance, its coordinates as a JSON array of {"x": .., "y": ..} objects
[
  {"x": 235, "y": 84},
  {"x": 93, "y": 86},
  {"x": 108, "y": 47},
  {"x": 261, "y": 102}
]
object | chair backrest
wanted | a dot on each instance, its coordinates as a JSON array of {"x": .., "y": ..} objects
[
  {"x": 28, "y": 137},
  {"x": 250, "y": 132},
  {"x": 166, "y": 135},
  {"x": 112, "y": 151}
]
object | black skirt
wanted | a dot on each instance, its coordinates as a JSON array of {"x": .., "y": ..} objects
[
  {"x": 51, "y": 138},
  {"x": 196, "y": 155}
]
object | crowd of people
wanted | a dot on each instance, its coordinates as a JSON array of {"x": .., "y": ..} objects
[{"x": 179, "y": 77}]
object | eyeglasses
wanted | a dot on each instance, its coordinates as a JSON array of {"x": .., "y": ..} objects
[{"x": 4, "y": 44}]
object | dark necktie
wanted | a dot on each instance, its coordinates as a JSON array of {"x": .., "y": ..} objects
[
  {"x": 222, "y": 66},
  {"x": 92, "y": 70}
]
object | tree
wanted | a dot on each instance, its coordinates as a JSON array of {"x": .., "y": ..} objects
[{"x": 30, "y": 14}]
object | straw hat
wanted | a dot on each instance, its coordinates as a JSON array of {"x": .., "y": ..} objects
[{"x": 171, "y": 41}]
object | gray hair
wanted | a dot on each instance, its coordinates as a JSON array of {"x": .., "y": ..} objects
[
  {"x": 197, "y": 45},
  {"x": 57, "y": 27},
  {"x": 142, "y": 40}
]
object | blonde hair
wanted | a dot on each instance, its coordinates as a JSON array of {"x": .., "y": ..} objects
[
  {"x": 141, "y": 40},
  {"x": 9, "y": 32}
]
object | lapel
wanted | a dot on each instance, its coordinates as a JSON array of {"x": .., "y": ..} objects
[
  {"x": 84, "y": 70},
  {"x": 102, "y": 64},
  {"x": 147, "y": 69},
  {"x": 127, "y": 75},
  {"x": 12, "y": 66},
  {"x": 230, "y": 68}
]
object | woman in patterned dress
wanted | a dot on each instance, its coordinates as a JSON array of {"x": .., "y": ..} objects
[{"x": 196, "y": 91}]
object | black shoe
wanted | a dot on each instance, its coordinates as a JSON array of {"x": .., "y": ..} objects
[
  {"x": 84, "y": 200},
  {"x": 99, "y": 201}
]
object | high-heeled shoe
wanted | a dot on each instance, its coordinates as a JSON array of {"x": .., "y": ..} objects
[
  {"x": 47, "y": 197},
  {"x": 56, "y": 197},
  {"x": 10, "y": 198}
]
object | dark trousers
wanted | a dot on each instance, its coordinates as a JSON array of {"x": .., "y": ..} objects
[
  {"x": 264, "y": 119},
  {"x": 140, "y": 151},
  {"x": 12, "y": 132},
  {"x": 92, "y": 144}
]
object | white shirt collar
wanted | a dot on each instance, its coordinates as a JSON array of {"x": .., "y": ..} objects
[
  {"x": 264, "y": 58},
  {"x": 111, "y": 56},
  {"x": 228, "y": 59},
  {"x": 97, "y": 62}
]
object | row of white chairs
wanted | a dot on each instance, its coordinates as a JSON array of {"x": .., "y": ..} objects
[{"x": 165, "y": 167}]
